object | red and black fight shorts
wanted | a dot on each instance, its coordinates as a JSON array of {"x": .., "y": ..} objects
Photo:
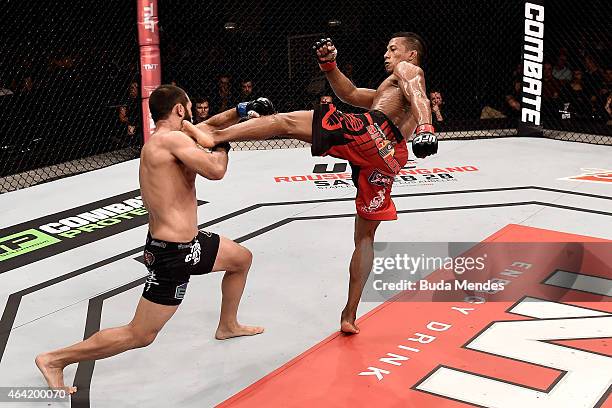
[{"x": 374, "y": 147}]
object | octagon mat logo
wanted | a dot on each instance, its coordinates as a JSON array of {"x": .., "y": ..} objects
[
  {"x": 56, "y": 233},
  {"x": 323, "y": 177},
  {"x": 592, "y": 176}
]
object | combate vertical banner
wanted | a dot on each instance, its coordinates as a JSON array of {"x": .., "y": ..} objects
[{"x": 530, "y": 123}]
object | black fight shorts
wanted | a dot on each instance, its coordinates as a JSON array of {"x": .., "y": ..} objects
[{"x": 170, "y": 265}]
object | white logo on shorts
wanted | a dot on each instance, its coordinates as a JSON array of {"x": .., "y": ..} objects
[
  {"x": 196, "y": 251},
  {"x": 179, "y": 293},
  {"x": 376, "y": 202},
  {"x": 151, "y": 280}
]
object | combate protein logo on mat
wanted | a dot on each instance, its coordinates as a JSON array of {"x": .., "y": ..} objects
[
  {"x": 60, "y": 232},
  {"x": 56, "y": 233},
  {"x": 327, "y": 176}
]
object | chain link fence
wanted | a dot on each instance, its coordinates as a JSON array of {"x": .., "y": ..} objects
[
  {"x": 69, "y": 71},
  {"x": 577, "y": 72},
  {"x": 69, "y": 88},
  {"x": 270, "y": 47}
]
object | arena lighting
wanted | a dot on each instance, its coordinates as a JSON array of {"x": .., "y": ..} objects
[{"x": 334, "y": 23}]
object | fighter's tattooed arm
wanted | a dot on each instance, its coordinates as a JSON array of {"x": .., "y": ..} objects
[{"x": 411, "y": 81}]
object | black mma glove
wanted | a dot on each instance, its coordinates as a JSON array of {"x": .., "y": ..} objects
[
  {"x": 262, "y": 106},
  {"x": 425, "y": 142},
  {"x": 327, "y": 59},
  {"x": 225, "y": 146}
]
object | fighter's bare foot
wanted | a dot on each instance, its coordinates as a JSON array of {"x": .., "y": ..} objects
[
  {"x": 227, "y": 332},
  {"x": 53, "y": 373},
  {"x": 347, "y": 322},
  {"x": 348, "y": 327}
]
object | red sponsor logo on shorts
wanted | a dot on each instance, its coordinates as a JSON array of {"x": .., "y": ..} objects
[
  {"x": 149, "y": 258},
  {"x": 379, "y": 179},
  {"x": 386, "y": 148}
]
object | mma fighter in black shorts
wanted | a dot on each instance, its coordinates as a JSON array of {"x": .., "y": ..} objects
[{"x": 175, "y": 249}]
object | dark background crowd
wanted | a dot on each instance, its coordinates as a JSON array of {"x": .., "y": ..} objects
[
  {"x": 70, "y": 84},
  {"x": 576, "y": 85}
]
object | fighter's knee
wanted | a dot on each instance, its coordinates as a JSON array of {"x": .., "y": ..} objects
[
  {"x": 248, "y": 256},
  {"x": 241, "y": 261},
  {"x": 245, "y": 259},
  {"x": 142, "y": 338},
  {"x": 365, "y": 236},
  {"x": 146, "y": 339}
]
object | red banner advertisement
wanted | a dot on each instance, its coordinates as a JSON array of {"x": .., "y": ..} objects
[
  {"x": 148, "y": 33},
  {"x": 150, "y": 63}
]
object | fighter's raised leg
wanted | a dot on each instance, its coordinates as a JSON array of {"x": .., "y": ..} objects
[{"x": 296, "y": 125}]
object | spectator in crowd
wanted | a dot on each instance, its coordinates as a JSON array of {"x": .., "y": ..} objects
[
  {"x": 63, "y": 59},
  {"x": 606, "y": 92},
  {"x": 202, "y": 110},
  {"x": 598, "y": 110},
  {"x": 246, "y": 90},
  {"x": 575, "y": 94},
  {"x": 512, "y": 106},
  {"x": 607, "y": 80},
  {"x": 24, "y": 80},
  {"x": 435, "y": 98},
  {"x": 593, "y": 77},
  {"x": 551, "y": 87},
  {"x": 133, "y": 90},
  {"x": 129, "y": 113},
  {"x": 62, "y": 67},
  {"x": 223, "y": 98},
  {"x": 326, "y": 99},
  {"x": 560, "y": 70},
  {"x": 4, "y": 91},
  {"x": 551, "y": 91}
]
